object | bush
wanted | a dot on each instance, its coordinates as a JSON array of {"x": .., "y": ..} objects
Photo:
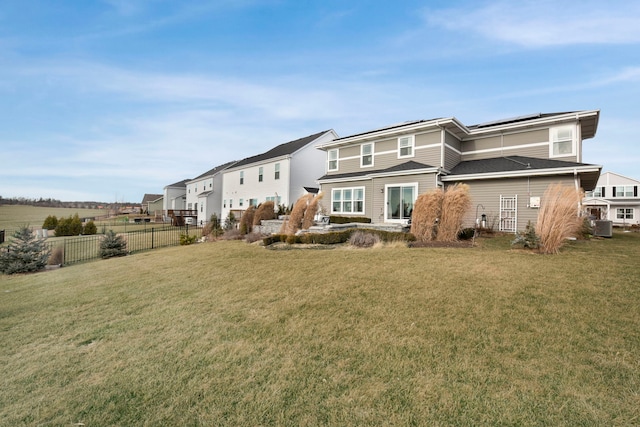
[
  {"x": 186, "y": 239},
  {"x": 362, "y": 239},
  {"x": 71, "y": 226},
  {"x": 335, "y": 219},
  {"x": 213, "y": 227},
  {"x": 455, "y": 204},
  {"x": 294, "y": 223},
  {"x": 50, "y": 223},
  {"x": 112, "y": 245},
  {"x": 90, "y": 228},
  {"x": 253, "y": 237},
  {"x": 230, "y": 222},
  {"x": 336, "y": 237},
  {"x": 310, "y": 212},
  {"x": 426, "y": 211},
  {"x": 466, "y": 234},
  {"x": 528, "y": 238},
  {"x": 25, "y": 254}
]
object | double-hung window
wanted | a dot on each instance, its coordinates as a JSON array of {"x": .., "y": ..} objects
[
  {"x": 241, "y": 177},
  {"x": 624, "y": 213},
  {"x": 405, "y": 146},
  {"x": 332, "y": 157},
  {"x": 277, "y": 171},
  {"x": 347, "y": 200},
  {"x": 562, "y": 141},
  {"x": 260, "y": 173},
  {"x": 366, "y": 155}
]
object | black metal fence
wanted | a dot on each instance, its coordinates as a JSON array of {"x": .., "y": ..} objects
[{"x": 71, "y": 250}]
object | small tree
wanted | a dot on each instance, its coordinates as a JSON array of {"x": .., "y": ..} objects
[
  {"x": 25, "y": 254},
  {"x": 50, "y": 223},
  {"x": 112, "y": 245},
  {"x": 90, "y": 228},
  {"x": 230, "y": 222}
]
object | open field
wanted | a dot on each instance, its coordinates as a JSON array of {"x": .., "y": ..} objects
[
  {"x": 227, "y": 333},
  {"x": 13, "y": 217}
]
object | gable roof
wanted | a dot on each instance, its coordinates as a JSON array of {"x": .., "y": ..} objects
[
  {"x": 410, "y": 166},
  {"x": 179, "y": 184},
  {"x": 147, "y": 198},
  {"x": 215, "y": 170},
  {"x": 281, "y": 150}
]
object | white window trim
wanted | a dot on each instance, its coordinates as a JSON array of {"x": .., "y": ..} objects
[
  {"x": 386, "y": 191},
  {"x": 337, "y": 160},
  {"x": 261, "y": 174},
  {"x": 412, "y": 144},
  {"x": 353, "y": 190},
  {"x": 276, "y": 171},
  {"x": 553, "y": 132},
  {"x": 624, "y": 212},
  {"x": 362, "y": 155}
]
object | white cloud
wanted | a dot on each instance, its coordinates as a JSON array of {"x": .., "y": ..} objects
[{"x": 545, "y": 23}]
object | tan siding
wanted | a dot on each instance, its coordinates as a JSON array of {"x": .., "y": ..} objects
[
  {"x": 427, "y": 138},
  {"x": 487, "y": 193},
  {"x": 522, "y": 138},
  {"x": 425, "y": 182},
  {"x": 481, "y": 144},
  {"x": 427, "y": 156},
  {"x": 386, "y": 145},
  {"x": 452, "y": 141},
  {"x": 451, "y": 158},
  {"x": 326, "y": 199},
  {"x": 541, "y": 152},
  {"x": 350, "y": 151},
  {"x": 350, "y": 165}
]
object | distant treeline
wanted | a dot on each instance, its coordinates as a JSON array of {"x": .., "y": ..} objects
[{"x": 54, "y": 203}]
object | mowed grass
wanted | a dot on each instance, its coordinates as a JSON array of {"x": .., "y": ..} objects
[{"x": 228, "y": 333}]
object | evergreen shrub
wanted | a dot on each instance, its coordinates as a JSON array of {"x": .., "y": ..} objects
[
  {"x": 25, "y": 254},
  {"x": 112, "y": 245}
]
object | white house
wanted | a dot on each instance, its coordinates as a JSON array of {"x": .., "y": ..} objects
[
  {"x": 278, "y": 175},
  {"x": 203, "y": 193},
  {"x": 175, "y": 196},
  {"x": 615, "y": 198}
]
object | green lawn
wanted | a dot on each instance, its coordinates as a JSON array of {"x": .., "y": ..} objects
[{"x": 228, "y": 333}]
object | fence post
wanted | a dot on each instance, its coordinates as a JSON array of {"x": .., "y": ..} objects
[
  {"x": 152, "y": 238},
  {"x": 64, "y": 251}
]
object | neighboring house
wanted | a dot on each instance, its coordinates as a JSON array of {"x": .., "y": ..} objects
[
  {"x": 204, "y": 193},
  {"x": 279, "y": 175},
  {"x": 152, "y": 203},
  {"x": 175, "y": 197},
  {"x": 615, "y": 198},
  {"x": 507, "y": 164}
]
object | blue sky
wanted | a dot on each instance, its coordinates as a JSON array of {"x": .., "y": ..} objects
[{"x": 108, "y": 100}]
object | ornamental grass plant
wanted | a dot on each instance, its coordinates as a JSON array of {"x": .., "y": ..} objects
[
  {"x": 426, "y": 211},
  {"x": 558, "y": 218},
  {"x": 455, "y": 204}
]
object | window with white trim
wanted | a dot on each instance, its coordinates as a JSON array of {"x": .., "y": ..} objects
[
  {"x": 400, "y": 200},
  {"x": 347, "y": 200},
  {"x": 563, "y": 142},
  {"x": 332, "y": 157},
  {"x": 597, "y": 192},
  {"x": 276, "y": 200},
  {"x": 624, "y": 191},
  {"x": 405, "y": 146},
  {"x": 366, "y": 155},
  {"x": 277, "y": 171},
  {"x": 624, "y": 213},
  {"x": 260, "y": 173},
  {"x": 230, "y": 203},
  {"x": 241, "y": 202},
  {"x": 241, "y": 177}
]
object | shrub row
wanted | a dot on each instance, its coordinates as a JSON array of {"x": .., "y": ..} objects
[
  {"x": 336, "y": 237},
  {"x": 334, "y": 219}
]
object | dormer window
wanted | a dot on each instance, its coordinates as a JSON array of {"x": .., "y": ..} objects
[
  {"x": 405, "y": 146},
  {"x": 366, "y": 155},
  {"x": 332, "y": 160},
  {"x": 562, "y": 141}
]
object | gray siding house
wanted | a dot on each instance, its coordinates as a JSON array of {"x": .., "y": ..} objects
[{"x": 506, "y": 163}]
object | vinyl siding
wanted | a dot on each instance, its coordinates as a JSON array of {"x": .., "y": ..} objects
[
  {"x": 374, "y": 198},
  {"x": 516, "y": 144},
  {"x": 487, "y": 193}
]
